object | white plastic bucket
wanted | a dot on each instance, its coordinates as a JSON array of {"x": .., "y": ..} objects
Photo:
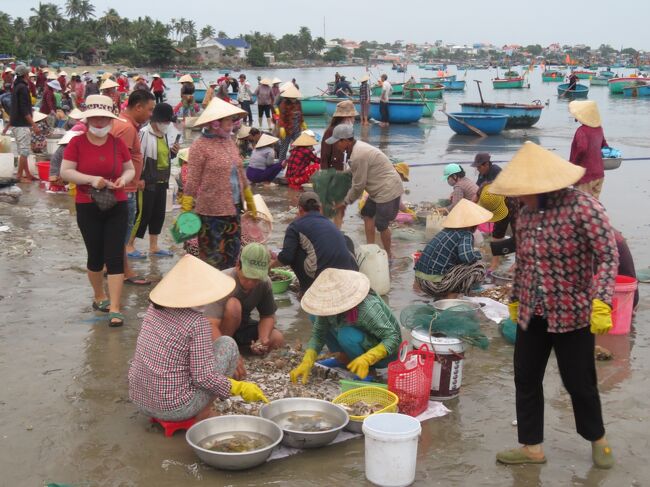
[
  {"x": 169, "y": 202},
  {"x": 52, "y": 145},
  {"x": 6, "y": 165},
  {"x": 31, "y": 163},
  {"x": 373, "y": 262},
  {"x": 391, "y": 448},
  {"x": 447, "y": 374}
]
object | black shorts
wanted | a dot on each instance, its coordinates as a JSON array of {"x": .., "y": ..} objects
[
  {"x": 383, "y": 213},
  {"x": 246, "y": 333},
  {"x": 500, "y": 227},
  {"x": 264, "y": 110}
]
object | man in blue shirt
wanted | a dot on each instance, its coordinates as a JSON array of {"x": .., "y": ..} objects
[{"x": 312, "y": 243}]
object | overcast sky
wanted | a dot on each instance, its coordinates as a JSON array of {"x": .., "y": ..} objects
[{"x": 464, "y": 22}]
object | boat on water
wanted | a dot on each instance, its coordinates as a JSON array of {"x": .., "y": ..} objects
[
  {"x": 552, "y": 76},
  {"x": 520, "y": 115},
  {"x": 505, "y": 83},
  {"x": 195, "y": 76},
  {"x": 418, "y": 91},
  {"x": 584, "y": 74},
  {"x": 640, "y": 89},
  {"x": 607, "y": 74},
  {"x": 401, "y": 68},
  {"x": 313, "y": 106},
  {"x": 599, "y": 81},
  {"x": 167, "y": 74},
  {"x": 616, "y": 85},
  {"x": 400, "y": 110},
  {"x": 579, "y": 91},
  {"x": 199, "y": 95},
  {"x": 438, "y": 79},
  {"x": 457, "y": 85},
  {"x": 489, "y": 123},
  {"x": 398, "y": 89}
]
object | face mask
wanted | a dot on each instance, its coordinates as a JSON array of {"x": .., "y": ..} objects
[
  {"x": 99, "y": 132},
  {"x": 163, "y": 127}
]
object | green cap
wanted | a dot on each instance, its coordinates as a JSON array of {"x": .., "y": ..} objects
[
  {"x": 255, "y": 261},
  {"x": 451, "y": 169}
]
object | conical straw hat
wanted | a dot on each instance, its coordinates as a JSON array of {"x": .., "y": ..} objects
[
  {"x": 186, "y": 78},
  {"x": 535, "y": 170},
  {"x": 243, "y": 132},
  {"x": 335, "y": 291},
  {"x": 586, "y": 112},
  {"x": 495, "y": 203},
  {"x": 291, "y": 92},
  {"x": 286, "y": 85},
  {"x": 276, "y": 80},
  {"x": 109, "y": 83},
  {"x": 38, "y": 117},
  {"x": 265, "y": 140},
  {"x": 218, "y": 109},
  {"x": 345, "y": 108},
  {"x": 76, "y": 114},
  {"x": 304, "y": 140},
  {"x": 191, "y": 282},
  {"x": 266, "y": 81},
  {"x": 466, "y": 214}
]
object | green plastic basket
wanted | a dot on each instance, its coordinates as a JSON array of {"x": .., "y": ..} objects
[{"x": 186, "y": 226}]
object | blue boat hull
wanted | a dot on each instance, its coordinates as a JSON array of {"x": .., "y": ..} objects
[
  {"x": 453, "y": 85},
  {"x": 636, "y": 91},
  {"x": 199, "y": 95},
  {"x": 580, "y": 91},
  {"x": 398, "y": 111},
  {"x": 490, "y": 123},
  {"x": 438, "y": 79},
  {"x": 519, "y": 116}
]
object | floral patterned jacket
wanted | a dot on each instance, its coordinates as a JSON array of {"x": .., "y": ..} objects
[{"x": 566, "y": 257}]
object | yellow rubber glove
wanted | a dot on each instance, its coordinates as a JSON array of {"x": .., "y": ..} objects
[
  {"x": 276, "y": 110},
  {"x": 513, "y": 309},
  {"x": 283, "y": 133},
  {"x": 303, "y": 125},
  {"x": 304, "y": 369},
  {"x": 247, "y": 390},
  {"x": 250, "y": 202},
  {"x": 187, "y": 203},
  {"x": 601, "y": 317},
  {"x": 361, "y": 364}
]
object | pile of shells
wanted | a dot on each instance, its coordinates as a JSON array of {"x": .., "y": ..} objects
[
  {"x": 271, "y": 374},
  {"x": 498, "y": 293}
]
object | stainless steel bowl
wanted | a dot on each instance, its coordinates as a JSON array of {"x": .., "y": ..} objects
[
  {"x": 468, "y": 306},
  {"x": 612, "y": 163},
  {"x": 306, "y": 439},
  {"x": 235, "y": 423}
]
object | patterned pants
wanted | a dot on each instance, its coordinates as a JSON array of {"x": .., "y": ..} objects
[
  {"x": 220, "y": 240},
  {"x": 459, "y": 279}
]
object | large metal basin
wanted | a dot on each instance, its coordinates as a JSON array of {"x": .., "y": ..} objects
[
  {"x": 235, "y": 423},
  {"x": 306, "y": 439},
  {"x": 468, "y": 306}
]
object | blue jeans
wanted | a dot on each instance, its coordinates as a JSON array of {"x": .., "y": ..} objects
[
  {"x": 131, "y": 208},
  {"x": 354, "y": 342}
]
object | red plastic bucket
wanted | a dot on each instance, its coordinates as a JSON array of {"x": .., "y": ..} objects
[
  {"x": 43, "y": 170},
  {"x": 622, "y": 305}
]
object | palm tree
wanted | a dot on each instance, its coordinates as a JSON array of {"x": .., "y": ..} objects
[
  {"x": 207, "y": 32},
  {"x": 86, "y": 10},
  {"x": 40, "y": 21},
  {"x": 191, "y": 28},
  {"x": 73, "y": 8},
  {"x": 111, "y": 22}
]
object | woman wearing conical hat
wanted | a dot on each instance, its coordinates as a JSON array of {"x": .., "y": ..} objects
[
  {"x": 302, "y": 161},
  {"x": 181, "y": 365},
  {"x": 586, "y": 147},
  {"x": 449, "y": 265},
  {"x": 561, "y": 295},
  {"x": 352, "y": 321}
]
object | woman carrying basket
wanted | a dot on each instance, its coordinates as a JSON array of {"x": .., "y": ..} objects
[
  {"x": 216, "y": 185},
  {"x": 355, "y": 324}
]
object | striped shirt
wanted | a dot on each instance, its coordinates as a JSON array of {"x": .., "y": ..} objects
[{"x": 174, "y": 358}]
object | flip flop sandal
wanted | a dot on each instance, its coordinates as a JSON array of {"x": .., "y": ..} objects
[
  {"x": 136, "y": 254},
  {"x": 517, "y": 456},
  {"x": 118, "y": 317},
  {"x": 162, "y": 253},
  {"x": 138, "y": 281},
  {"x": 101, "y": 306}
]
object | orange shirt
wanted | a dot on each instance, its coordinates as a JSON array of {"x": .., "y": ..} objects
[{"x": 127, "y": 131}]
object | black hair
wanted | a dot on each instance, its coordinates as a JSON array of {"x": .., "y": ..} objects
[
  {"x": 254, "y": 131},
  {"x": 311, "y": 205},
  {"x": 140, "y": 97},
  {"x": 460, "y": 174}
]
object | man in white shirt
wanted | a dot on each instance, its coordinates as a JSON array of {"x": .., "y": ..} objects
[
  {"x": 245, "y": 98},
  {"x": 386, "y": 91}
]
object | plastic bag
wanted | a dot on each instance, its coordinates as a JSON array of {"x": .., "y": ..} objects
[{"x": 331, "y": 186}]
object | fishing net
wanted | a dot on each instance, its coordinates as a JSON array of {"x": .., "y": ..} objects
[
  {"x": 331, "y": 186},
  {"x": 460, "y": 321}
]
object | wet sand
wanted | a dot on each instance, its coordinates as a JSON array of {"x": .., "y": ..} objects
[{"x": 64, "y": 409}]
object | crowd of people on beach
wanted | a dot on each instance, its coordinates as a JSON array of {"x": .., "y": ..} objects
[{"x": 217, "y": 300}]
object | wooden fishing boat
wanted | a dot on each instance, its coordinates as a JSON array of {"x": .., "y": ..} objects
[
  {"x": 458, "y": 85},
  {"x": 400, "y": 111},
  {"x": 616, "y": 85},
  {"x": 599, "y": 81},
  {"x": 429, "y": 108},
  {"x": 552, "y": 76},
  {"x": 579, "y": 91},
  {"x": 584, "y": 74},
  {"x": 520, "y": 115},
  {"x": 489, "y": 123},
  {"x": 438, "y": 79},
  {"x": 607, "y": 74},
  {"x": 313, "y": 106},
  {"x": 511, "y": 74},
  {"x": 398, "y": 89},
  {"x": 418, "y": 91},
  {"x": 640, "y": 89},
  {"x": 167, "y": 74},
  {"x": 505, "y": 83}
]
